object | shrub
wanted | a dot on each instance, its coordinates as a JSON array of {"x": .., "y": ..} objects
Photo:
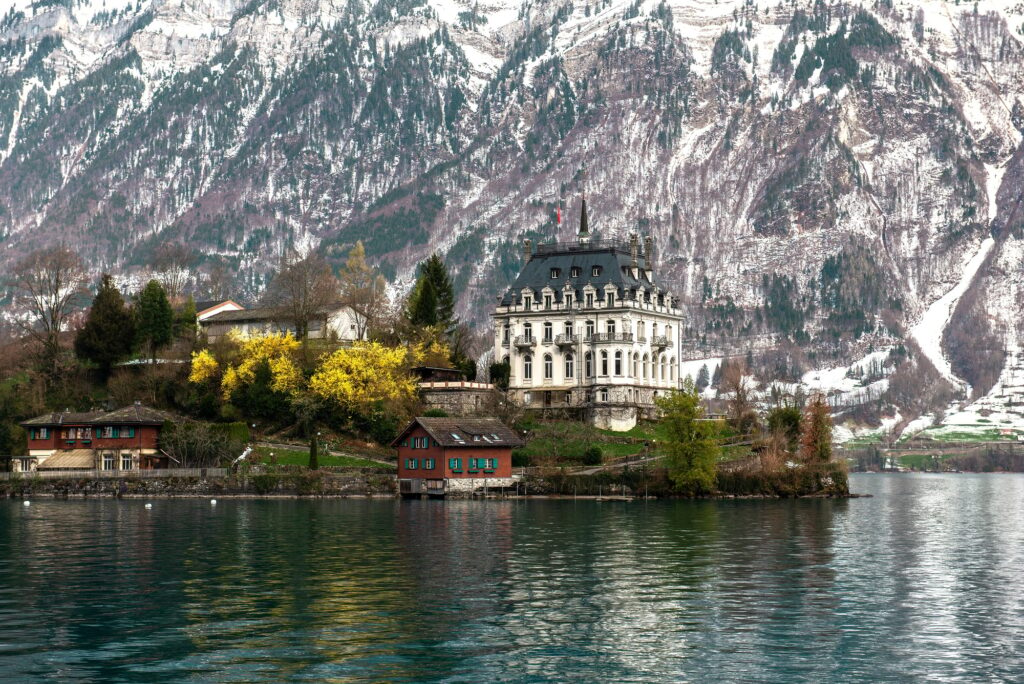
[
  {"x": 592, "y": 456},
  {"x": 265, "y": 483},
  {"x": 435, "y": 413}
]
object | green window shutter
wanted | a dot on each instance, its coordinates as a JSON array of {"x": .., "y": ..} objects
[
  {"x": 115, "y": 432},
  {"x": 131, "y": 432}
]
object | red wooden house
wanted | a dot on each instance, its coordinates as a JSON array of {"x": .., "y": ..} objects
[
  {"x": 437, "y": 456},
  {"x": 124, "y": 439}
]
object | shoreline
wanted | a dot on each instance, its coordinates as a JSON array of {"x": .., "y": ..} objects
[{"x": 64, "y": 496}]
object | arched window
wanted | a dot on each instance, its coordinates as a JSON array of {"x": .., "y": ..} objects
[
  {"x": 646, "y": 368},
  {"x": 641, "y": 330},
  {"x": 654, "y": 330},
  {"x": 636, "y": 365},
  {"x": 527, "y": 367},
  {"x": 528, "y": 331},
  {"x": 548, "y": 332},
  {"x": 506, "y": 334},
  {"x": 604, "y": 363},
  {"x": 549, "y": 367},
  {"x": 672, "y": 369},
  {"x": 663, "y": 368},
  {"x": 570, "y": 367},
  {"x": 588, "y": 364},
  {"x": 668, "y": 333},
  {"x": 618, "y": 363}
]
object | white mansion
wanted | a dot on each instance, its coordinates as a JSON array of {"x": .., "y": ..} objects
[{"x": 587, "y": 327}]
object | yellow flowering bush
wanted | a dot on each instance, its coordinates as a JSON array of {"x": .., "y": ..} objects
[
  {"x": 362, "y": 374},
  {"x": 277, "y": 351},
  {"x": 204, "y": 367}
]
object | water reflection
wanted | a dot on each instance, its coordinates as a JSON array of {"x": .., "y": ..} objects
[{"x": 918, "y": 582}]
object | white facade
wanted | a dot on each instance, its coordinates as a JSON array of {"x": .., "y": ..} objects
[
  {"x": 340, "y": 324},
  {"x": 607, "y": 348}
]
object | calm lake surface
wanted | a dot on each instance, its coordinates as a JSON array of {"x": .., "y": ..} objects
[{"x": 923, "y": 581}]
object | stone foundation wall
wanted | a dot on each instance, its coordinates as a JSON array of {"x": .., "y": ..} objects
[{"x": 288, "y": 484}]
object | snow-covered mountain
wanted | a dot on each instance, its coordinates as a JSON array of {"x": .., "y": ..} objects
[{"x": 824, "y": 180}]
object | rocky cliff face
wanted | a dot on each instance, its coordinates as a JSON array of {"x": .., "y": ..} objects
[{"x": 819, "y": 176}]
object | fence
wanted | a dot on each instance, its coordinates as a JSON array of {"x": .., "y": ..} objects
[{"x": 116, "y": 474}]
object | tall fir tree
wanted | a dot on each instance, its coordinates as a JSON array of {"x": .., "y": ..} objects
[
  {"x": 155, "y": 318},
  {"x": 109, "y": 331},
  {"x": 432, "y": 301}
]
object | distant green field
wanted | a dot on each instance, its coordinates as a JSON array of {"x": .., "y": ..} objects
[{"x": 301, "y": 457}]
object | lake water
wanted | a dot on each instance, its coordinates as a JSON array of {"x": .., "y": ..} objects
[{"x": 923, "y": 581}]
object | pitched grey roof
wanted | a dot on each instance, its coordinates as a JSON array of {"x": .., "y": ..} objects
[
  {"x": 612, "y": 258},
  {"x": 135, "y": 414},
  {"x": 465, "y": 432}
]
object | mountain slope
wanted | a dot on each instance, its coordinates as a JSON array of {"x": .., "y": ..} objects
[{"x": 815, "y": 174}]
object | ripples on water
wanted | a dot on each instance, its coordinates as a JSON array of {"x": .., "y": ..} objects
[{"x": 922, "y": 581}]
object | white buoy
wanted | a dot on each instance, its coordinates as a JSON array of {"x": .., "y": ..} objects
[
  {"x": 213, "y": 502},
  {"x": 149, "y": 505},
  {"x": 28, "y": 503}
]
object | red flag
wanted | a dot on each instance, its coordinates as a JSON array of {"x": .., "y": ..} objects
[{"x": 559, "y": 213}]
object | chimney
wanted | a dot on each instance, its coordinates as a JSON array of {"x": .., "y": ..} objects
[
  {"x": 527, "y": 250},
  {"x": 634, "y": 251},
  {"x": 649, "y": 257}
]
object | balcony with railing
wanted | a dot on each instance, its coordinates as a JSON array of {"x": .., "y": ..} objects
[
  {"x": 659, "y": 341},
  {"x": 524, "y": 341},
  {"x": 567, "y": 340},
  {"x": 606, "y": 338}
]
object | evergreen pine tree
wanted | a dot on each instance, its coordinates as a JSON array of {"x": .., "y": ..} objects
[
  {"x": 109, "y": 331},
  {"x": 433, "y": 298},
  {"x": 155, "y": 318},
  {"x": 703, "y": 378},
  {"x": 185, "y": 320}
]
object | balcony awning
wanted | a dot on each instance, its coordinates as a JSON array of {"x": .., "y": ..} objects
[{"x": 75, "y": 459}]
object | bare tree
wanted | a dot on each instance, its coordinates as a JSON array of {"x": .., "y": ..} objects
[
  {"x": 172, "y": 262},
  {"x": 302, "y": 292},
  {"x": 362, "y": 290},
  {"x": 48, "y": 285},
  {"x": 220, "y": 279},
  {"x": 736, "y": 384}
]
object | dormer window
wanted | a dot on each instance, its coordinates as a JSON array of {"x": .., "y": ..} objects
[
  {"x": 611, "y": 299},
  {"x": 556, "y": 273},
  {"x": 575, "y": 271},
  {"x": 590, "y": 300},
  {"x": 527, "y": 302},
  {"x": 567, "y": 298},
  {"x": 547, "y": 301},
  {"x": 595, "y": 271}
]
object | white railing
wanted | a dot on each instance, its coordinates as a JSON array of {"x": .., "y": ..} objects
[{"x": 116, "y": 474}]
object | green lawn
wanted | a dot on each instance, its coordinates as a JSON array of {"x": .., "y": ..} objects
[{"x": 301, "y": 457}]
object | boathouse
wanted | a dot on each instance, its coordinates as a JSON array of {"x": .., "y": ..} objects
[{"x": 438, "y": 456}]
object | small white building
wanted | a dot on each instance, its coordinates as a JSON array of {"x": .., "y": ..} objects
[
  {"x": 207, "y": 309},
  {"x": 339, "y": 322},
  {"x": 587, "y": 328}
]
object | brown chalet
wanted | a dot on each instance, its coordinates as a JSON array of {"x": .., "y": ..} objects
[
  {"x": 437, "y": 456},
  {"x": 124, "y": 439}
]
